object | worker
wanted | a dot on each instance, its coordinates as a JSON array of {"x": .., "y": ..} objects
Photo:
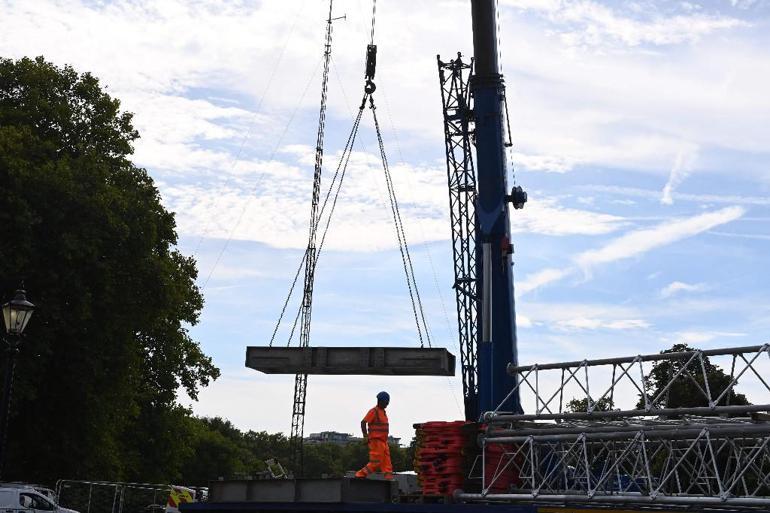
[{"x": 376, "y": 420}]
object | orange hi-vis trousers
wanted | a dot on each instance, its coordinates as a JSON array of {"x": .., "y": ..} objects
[{"x": 379, "y": 460}]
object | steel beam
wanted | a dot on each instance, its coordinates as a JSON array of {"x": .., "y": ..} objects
[
  {"x": 655, "y": 357},
  {"x": 502, "y": 418},
  {"x": 381, "y": 361},
  {"x": 671, "y": 433},
  {"x": 755, "y": 502}
]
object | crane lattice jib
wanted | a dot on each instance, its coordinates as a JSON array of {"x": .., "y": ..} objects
[
  {"x": 458, "y": 127},
  {"x": 306, "y": 308}
]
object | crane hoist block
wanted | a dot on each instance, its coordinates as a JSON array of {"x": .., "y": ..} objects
[{"x": 380, "y": 361}]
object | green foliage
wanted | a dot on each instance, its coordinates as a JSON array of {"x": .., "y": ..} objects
[
  {"x": 685, "y": 392},
  {"x": 108, "y": 347},
  {"x": 221, "y": 450},
  {"x": 581, "y": 405}
]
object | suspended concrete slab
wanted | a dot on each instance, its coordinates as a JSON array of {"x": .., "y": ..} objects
[{"x": 379, "y": 361}]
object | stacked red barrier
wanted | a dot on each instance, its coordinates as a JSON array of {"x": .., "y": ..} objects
[
  {"x": 440, "y": 457},
  {"x": 497, "y": 457}
]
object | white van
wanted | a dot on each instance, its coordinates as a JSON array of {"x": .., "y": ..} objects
[{"x": 27, "y": 500}]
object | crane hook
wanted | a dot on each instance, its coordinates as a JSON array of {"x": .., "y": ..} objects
[{"x": 371, "y": 66}]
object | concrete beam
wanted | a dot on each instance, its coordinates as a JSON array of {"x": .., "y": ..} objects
[
  {"x": 387, "y": 361},
  {"x": 302, "y": 491}
]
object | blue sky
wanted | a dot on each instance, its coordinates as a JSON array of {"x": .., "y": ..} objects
[{"x": 640, "y": 131}]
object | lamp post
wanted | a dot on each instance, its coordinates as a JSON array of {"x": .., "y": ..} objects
[{"x": 16, "y": 315}]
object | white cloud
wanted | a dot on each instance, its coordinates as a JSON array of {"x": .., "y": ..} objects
[
  {"x": 522, "y": 321},
  {"x": 591, "y": 23},
  {"x": 637, "y": 192},
  {"x": 540, "y": 279},
  {"x": 569, "y": 106},
  {"x": 693, "y": 338},
  {"x": 546, "y": 163},
  {"x": 268, "y": 202},
  {"x": 678, "y": 286},
  {"x": 641, "y": 241},
  {"x": 632, "y": 244},
  {"x": 573, "y": 317},
  {"x": 681, "y": 169},
  {"x": 586, "y": 323},
  {"x": 750, "y": 236},
  {"x": 545, "y": 216}
]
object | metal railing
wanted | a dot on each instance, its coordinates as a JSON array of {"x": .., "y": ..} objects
[{"x": 112, "y": 497}]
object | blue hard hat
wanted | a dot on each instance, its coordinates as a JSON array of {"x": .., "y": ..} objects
[{"x": 383, "y": 396}]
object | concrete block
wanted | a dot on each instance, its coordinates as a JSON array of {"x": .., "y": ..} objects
[{"x": 390, "y": 361}]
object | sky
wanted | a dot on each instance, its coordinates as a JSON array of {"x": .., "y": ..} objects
[{"x": 640, "y": 132}]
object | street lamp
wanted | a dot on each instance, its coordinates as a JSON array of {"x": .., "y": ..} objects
[{"x": 16, "y": 315}]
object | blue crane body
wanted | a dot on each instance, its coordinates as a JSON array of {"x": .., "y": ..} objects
[
  {"x": 497, "y": 329},
  {"x": 473, "y": 97}
]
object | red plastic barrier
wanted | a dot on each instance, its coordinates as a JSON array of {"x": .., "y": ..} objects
[
  {"x": 440, "y": 458},
  {"x": 494, "y": 459}
]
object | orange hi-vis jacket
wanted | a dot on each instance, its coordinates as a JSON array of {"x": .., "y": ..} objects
[{"x": 377, "y": 424}]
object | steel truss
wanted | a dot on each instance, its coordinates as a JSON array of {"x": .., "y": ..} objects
[
  {"x": 716, "y": 455},
  {"x": 454, "y": 77},
  {"x": 551, "y": 387},
  {"x": 311, "y": 255},
  {"x": 696, "y": 461}
]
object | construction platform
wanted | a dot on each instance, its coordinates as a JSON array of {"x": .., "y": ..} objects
[
  {"x": 381, "y": 361},
  {"x": 348, "y": 495},
  {"x": 412, "y": 507},
  {"x": 249, "y": 507}
]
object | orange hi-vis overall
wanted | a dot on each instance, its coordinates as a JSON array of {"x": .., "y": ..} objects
[{"x": 379, "y": 452}]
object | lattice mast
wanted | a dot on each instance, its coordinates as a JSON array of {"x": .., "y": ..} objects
[
  {"x": 454, "y": 77},
  {"x": 306, "y": 308}
]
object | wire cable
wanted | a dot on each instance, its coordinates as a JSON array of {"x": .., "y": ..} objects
[
  {"x": 346, "y": 159},
  {"x": 341, "y": 165},
  {"x": 428, "y": 253},
  {"x": 401, "y": 234},
  {"x": 374, "y": 17}
]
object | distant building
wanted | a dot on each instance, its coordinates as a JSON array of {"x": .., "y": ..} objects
[
  {"x": 334, "y": 437},
  {"x": 330, "y": 437}
]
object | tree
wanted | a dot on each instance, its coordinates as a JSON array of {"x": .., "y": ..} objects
[
  {"x": 581, "y": 405},
  {"x": 108, "y": 347},
  {"x": 219, "y": 449},
  {"x": 686, "y": 390}
]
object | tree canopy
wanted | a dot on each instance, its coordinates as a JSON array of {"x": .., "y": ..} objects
[
  {"x": 108, "y": 347},
  {"x": 686, "y": 390},
  {"x": 84, "y": 228}
]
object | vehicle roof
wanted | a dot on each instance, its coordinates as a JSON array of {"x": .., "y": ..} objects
[{"x": 23, "y": 485}]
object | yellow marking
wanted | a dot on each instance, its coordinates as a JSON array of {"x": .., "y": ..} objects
[{"x": 572, "y": 509}]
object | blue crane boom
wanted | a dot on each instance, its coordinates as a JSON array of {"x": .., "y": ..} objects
[
  {"x": 479, "y": 207},
  {"x": 497, "y": 329}
]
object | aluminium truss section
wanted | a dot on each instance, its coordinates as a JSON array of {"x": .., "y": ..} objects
[
  {"x": 664, "y": 384},
  {"x": 454, "y": 77},
  {"x": 685, "y": 462}
]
